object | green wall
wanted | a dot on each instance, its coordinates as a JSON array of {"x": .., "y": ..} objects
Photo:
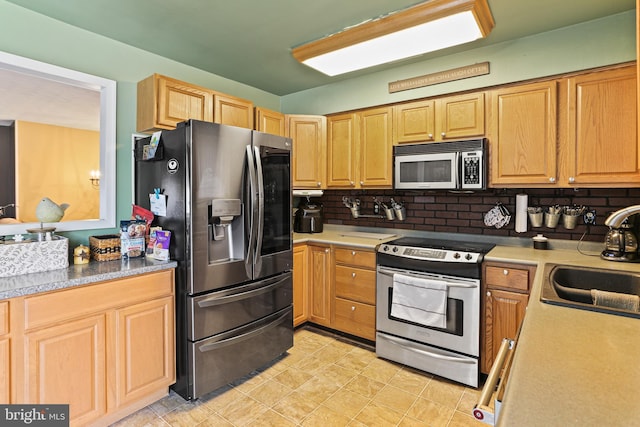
[
  {"x": 22, "y": 32},
  {"x": 600, "y": 42}
]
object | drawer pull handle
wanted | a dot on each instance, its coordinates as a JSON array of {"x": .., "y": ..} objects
[
  {"x": 505, "y": 272},
  {"x": 353, "y": 274},
  {"x": 353, "y": 308},
  {"x": 353, "y": 253},
  {"x": 488, "y": 293}
]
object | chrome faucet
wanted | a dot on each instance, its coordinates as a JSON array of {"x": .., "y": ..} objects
[{"x": 616, "y": 219}]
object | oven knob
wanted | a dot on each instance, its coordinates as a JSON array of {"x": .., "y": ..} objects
[
  {"x": 456, "y": 255},
  {"x": 395, "y": 249},
  {"x": 385, "y": 248},
  {"x": 468, "y": 257}
]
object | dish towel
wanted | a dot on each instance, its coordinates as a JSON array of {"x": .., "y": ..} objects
[
  {"x": 615, "y": 300},
  {"x": 422, "y": 301}
]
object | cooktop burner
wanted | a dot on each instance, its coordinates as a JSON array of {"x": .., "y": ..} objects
[{"x": 445, "y": 245}]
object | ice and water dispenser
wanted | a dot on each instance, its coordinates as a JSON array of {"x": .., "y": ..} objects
[{"x": 226, "y": 230}]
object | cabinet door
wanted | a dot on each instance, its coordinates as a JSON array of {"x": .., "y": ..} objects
[
  {"x": 178, "y": 101},
  {"x": 270, "y": 121},
  {"x": 309, "y": 136},
  {"x": 229, "y": 110},
  {"x": 414, "y": 122},
  {"x": 300, "y": 285},
  {"x": 320, "y": 304},
  {"x": 376, "y": 148},
  {"x": 522, "y": 134},
  {"x": 504, "y": 312},
  {"x": 460, "y": 116},
  {"x": 66, "y": 364},
  {"x": 144, "y": 349},
  {"x": 342, "y": 154},
  {"x": 5, "y": 371},
  {"x": 602, "y": 129}
]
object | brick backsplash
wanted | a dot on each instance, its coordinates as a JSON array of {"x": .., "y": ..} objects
[{"x": 451, "y": 212}]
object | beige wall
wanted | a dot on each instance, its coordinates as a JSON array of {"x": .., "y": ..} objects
[{"x": 55, "y": 162}]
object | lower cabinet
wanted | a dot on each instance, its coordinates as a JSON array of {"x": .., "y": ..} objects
[
  {"x": 106, "y": 349},
  {"x": 300, "y": 284},
  {"x": 320, "y": 285},
  {"x": 506, "y": 288},
  {"x": 5, "y": 354}
]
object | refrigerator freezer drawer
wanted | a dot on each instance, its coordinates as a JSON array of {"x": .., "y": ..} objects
[
  {"x": 226, "y": 357},
  {"x": 220, "y": 311}
]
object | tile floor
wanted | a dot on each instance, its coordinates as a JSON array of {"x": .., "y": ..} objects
[{"x": 327, "y": 381}]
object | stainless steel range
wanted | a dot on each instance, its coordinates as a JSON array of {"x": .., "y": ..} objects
[{"x": 428, "y": 305}]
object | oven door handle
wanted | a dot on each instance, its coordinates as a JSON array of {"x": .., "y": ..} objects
[
  {"x": 426, "y": 353},
  {"x": 390, "y": 273}
]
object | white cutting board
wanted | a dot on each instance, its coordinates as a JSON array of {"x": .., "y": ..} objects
[{"x": 377, "y": 236}]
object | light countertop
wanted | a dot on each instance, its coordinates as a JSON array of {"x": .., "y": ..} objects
[
  {"x": 78, "y": 275},
  {"x": 571, "y": 366}
]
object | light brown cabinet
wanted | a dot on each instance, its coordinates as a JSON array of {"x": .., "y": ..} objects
[
  {"x": 321, "y": 284},
  {"x": 441, "y": 119},
  {"x": 360, "y": 149},
  {"x": 309, "y": 154},
  {"x": 5, "y": 354},
  {"x": 506, "y": 288},
  {"x": 300, "y": 284},
  {"x": 269, "y": 121},
  {"x": 163, "y": 102},
  {"x": 107, "y": 358},
  {"x": 355, "y": 292},
  {"x": 523, "y": 134},
  {"x": 601, "y": 136}
]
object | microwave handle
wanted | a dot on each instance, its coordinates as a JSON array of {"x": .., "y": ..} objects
[{"x": 460, "y": 171}]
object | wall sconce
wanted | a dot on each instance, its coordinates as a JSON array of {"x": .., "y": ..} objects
[
  {"x": 95, "y": 178},
  {"x": 425, "y": 27}
]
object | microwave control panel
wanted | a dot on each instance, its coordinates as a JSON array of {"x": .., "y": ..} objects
[{"x": 472, "y": 169}]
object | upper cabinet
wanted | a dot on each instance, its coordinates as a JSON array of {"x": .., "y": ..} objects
[
  {"x": 270, "y": 121},
  {"x": 523, "y": 134},
  {"x": 309, "y": 154},
  {"x": 442, "y": 119},
  {"x": 359, "y": 149},
  {"x": 601, "y": 135},
  {"x": 577, "y": 131},
  {"x": 164, "y": 102}
]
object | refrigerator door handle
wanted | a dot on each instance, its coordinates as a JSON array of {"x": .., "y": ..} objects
[
  {"x": 260, "y": 220},
  {"x": 249, "y": 260}
]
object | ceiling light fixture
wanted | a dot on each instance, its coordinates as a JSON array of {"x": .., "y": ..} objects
[{"x": 425, "y": 27}]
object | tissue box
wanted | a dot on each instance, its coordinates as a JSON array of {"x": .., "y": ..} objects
[{"x": 33, "y": 257}]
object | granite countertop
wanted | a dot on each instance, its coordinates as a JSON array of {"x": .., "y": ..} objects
[
  {"x": 78, "y": 275},
  {"x": 571, "y": 366}
]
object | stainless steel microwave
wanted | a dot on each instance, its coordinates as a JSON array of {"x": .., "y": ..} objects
[{"x": 456, "y": 165}]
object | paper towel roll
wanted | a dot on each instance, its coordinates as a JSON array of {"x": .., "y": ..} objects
[{"x": 521, "y": 213}]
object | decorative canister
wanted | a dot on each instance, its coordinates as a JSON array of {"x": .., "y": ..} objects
[{"x": 81, "y": 255}]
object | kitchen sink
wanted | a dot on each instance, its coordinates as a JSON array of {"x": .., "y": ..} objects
[{"x": 571, "y": 286}]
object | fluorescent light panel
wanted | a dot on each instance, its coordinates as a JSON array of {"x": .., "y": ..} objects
[{"x": 439, "y": 32}]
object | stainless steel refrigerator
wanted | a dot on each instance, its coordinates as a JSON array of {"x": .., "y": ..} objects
[{"x": 228, "y": 207}]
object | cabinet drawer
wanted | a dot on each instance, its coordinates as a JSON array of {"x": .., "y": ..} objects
[
  {"x": 57, "y": 306},
  {"x": 356, "y": 257},
  {"x": 355, "y": 318},
  {"x": 508, "y": 277},
  {"x": 356, "y": 284},
  {"x": 4, "y": 317}
]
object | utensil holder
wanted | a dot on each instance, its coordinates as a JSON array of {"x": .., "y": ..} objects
[
  {"x": 400, "y": 213},
  {"x": 570, "y": 221},
  {"x": 535, "y": 219},
  {"x": 551, "y": 220},
  {"x": 389, "y": 214}
]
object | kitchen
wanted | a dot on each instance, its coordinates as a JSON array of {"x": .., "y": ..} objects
[{"x": 611, "y": 40}]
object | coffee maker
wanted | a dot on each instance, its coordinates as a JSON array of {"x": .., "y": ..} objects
[
  {"x": 621, "y": 243},
  {"x": 309, "y": 217}
]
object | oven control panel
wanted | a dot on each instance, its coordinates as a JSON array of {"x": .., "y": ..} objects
[{"x": 429, "y": 254}]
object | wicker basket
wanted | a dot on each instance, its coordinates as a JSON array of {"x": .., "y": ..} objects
[{"x": 105, "y": 248}]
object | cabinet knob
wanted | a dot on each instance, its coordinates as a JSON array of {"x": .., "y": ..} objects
[
  {"x": 430, "y": 136},
  {"x": 443, "y": 134},
  {"x": 571, "y": 180},
  {"x": 326, "y": 251},
  {"x": 505, "y": 272},
  {"x": 552, "y": 179},
  {"x": 488, "y": 293},
  {"x": 353, "y": 253},
  {"x": 361, "y": 182},
  {"x": 319, "y": 184},
  {"x": 353, "y": 308},
  {"x": 353, "y": 274},
  {"x": 351, "y": 183}
]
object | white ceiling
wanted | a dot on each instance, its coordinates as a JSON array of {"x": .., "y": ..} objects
[{"x": 249, "y": 41}]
